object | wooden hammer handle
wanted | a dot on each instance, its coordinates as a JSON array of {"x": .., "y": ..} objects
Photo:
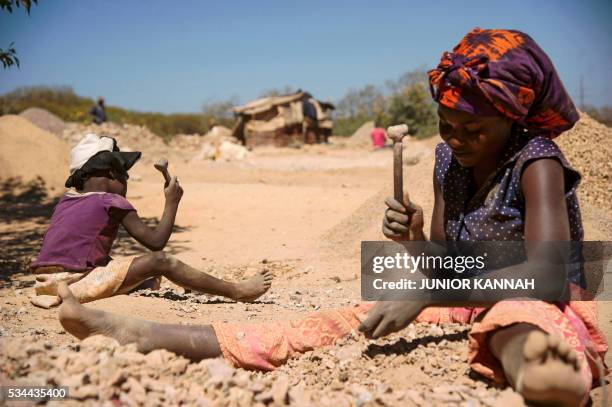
[
  {"x": 398, "y": 175},
  {"x": 167, "y": 177}
]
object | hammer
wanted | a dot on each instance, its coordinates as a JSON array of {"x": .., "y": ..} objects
[
  {"x": 161, "y": 165},
  {"x": 397, "y": 134}
]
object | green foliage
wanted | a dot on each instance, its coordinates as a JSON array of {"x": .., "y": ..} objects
[
  {"x": 413, "y": 106},
  {"x": 9, "y": 4},
  {"x": 9, "y": 56},
  {"x": 407, "y": 101},
  {"x": 64, "y": 103},
  {"x": 346, "y": 126}
]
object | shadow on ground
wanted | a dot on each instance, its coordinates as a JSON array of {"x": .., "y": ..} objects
[
  {"x": 402, "y": 346},
  {"x": 25, "y": 212}
]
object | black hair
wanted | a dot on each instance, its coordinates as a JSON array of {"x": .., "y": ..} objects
[{"x": 103, "y": 164}]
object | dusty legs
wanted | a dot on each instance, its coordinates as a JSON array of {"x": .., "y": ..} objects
[
  {"x": 161, "y": 264},
  {"x": 542, "y": 367},
  {"x": 193, "y": 342}
]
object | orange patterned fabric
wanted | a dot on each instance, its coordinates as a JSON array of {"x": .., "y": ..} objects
[
  {"x": 265, "y": 346},
  {"x": 100, "y": 282},
  {"x": 504, "y": 72}
]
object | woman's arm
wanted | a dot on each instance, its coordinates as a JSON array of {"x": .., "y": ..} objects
[
  {"x": 546, "y": 220},
  {"x": 437, "y": 233}
]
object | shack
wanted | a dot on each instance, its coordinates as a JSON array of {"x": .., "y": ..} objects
[{"x": 283, "y": 120}]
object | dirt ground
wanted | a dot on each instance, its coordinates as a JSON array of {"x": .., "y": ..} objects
[{"x": 302, "y": 214}]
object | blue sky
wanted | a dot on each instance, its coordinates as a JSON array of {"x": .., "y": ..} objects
[{"x": 174, "y": 56}]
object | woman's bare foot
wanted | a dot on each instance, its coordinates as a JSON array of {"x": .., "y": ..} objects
[
  {"x": 82, "y": 322},
  {"x": 542, "y": 367},
  {"x": 254, "y": 287}
]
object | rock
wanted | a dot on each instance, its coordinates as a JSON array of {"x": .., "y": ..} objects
[
  {"x": 362, "y": 396},
  {"x": 84, "y": 392},
  {"x": 220, "y": 372},
  {"x": 509, "y": 398},
  {"x": 280, "y": 390},
  {"x": 99, "y": 342},
  {"x": 158, "y": 358}
]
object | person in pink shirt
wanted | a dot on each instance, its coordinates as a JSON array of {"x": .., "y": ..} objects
[{"x": 378, "y": 136}]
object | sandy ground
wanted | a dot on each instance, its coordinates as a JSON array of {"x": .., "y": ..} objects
[{"x": 301, "y": 213}]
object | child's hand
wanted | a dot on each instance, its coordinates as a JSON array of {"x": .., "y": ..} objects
[
  {"x": 173, "y": 191},
  {"x": 403, "y": 221}
]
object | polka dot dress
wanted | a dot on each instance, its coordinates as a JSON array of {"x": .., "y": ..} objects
[{"x": 496, "y": 212}]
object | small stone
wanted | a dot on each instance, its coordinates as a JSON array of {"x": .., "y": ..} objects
[
  {"x": 99, "y": 342},
  {"x": 509, "y": 398},
  {"x": 84, "y": 392},
  {"x": 280, "y": 390}
]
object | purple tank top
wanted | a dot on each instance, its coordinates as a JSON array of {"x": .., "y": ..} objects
[{"x": 82, "y": 232}]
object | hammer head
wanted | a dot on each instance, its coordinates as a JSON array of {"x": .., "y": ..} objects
[
  {"x": 398, "y": 132},
  {"x": 161, "y": 164}
]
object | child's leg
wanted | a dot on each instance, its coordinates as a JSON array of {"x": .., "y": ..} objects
[
  {"x": 542, "y": 367},
  {"x": 194, "y": 342},
  {"x": 161, "y": 264}
]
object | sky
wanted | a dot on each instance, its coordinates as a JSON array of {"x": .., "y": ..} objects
[{"x": 171, "y": 57}]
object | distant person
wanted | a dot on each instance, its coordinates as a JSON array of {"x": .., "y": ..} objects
[
  {"x": 98, "y": 112},
  {"x": 378, "y": 136}
]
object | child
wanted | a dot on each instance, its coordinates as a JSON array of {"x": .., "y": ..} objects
[
  {"x": 84, "y": 225},
  {"x": 500, "y": 101}
]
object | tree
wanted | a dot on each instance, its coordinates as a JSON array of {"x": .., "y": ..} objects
[
  {"x": 221, "y": 109},
  {"x": 9, "y": 56},
  {"x": 414, "y": 107},
  {"x": 364, "y": 102}
]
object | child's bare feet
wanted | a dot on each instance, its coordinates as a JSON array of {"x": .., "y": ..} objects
[
  {"x": 253, "y": 288},
  {"x": 82, "y": 322},
  {"x": 542, "y": 367}
]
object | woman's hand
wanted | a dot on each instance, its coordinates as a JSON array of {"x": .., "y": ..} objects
[
  {"x": 390, "y": 316},
  {"x": 403, "y": 221},
  {"x": 173, "y": 191}
]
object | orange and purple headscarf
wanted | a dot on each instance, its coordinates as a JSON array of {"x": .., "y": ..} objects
[{"x": 504, "y": 71}]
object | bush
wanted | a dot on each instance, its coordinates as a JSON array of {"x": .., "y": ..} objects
[
  {"x": 408, "y": 101},
  {"x": 64, "y": 103}
]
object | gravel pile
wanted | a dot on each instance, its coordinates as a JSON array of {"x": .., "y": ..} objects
[
  {"x": 588, "y": 147},
  {"x": 129, "y": 138},
  {"x": 425, "y": 366},
  {"x": 44, "y": 119}
]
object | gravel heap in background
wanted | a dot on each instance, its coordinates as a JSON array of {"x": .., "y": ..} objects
[
  {"x": 44, "y": 119},
  {"x": 588, "y": 148},
  {"x": 427, "y": 367},
  {"x": 129, "y": 138}
]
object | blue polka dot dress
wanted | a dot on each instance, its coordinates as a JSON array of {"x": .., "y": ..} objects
[{"x": 496, "y": 212}]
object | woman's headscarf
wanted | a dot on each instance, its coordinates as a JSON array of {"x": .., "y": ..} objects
[{"x": 504, "y": 71}]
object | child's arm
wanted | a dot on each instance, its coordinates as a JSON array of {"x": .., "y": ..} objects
[{"x": 156, "y": 239}]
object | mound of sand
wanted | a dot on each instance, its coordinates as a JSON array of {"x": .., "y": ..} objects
[
  {"x": 29, "y": 152},
  {"x": 362, "y": 135},
  {"x": 129, "y": 138},
  {"x": 44, "y": 119},
  {"x": 215, "y": 136},
  {"x": 588, "y": 147}
]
